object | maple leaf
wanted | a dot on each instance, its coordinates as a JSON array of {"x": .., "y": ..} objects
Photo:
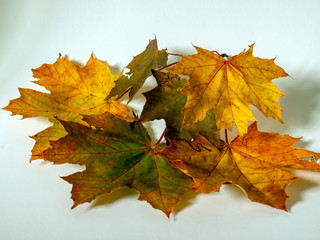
[
  {"x": 166, "y": 102},
  {"x": 117, "y": 153},
  {"x": 229, "y": 87},
  {"x": 74, "y": 91},
  {"x": 260, "y": 164},
  {"x": 140, "y": 69}
]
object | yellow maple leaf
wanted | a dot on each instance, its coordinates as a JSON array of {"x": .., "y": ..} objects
[
  {"x": 74, "y": 91},
  {"x": 260, "y": 164},
  {"x": 229, "y": 87}
]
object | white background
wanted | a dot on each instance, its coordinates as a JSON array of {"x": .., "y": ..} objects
[{"x": 35, "y": 203}]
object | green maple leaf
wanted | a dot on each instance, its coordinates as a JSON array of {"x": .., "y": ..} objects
[
  {"x": 140, "y": 69},
  {"x": 117, "y": 154}
]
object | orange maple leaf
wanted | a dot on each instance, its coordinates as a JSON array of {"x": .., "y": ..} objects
[
  {"x": 74, "y": 90},
  {"x": 229, "y": 87},
  {"x": 259, "y": 164}
]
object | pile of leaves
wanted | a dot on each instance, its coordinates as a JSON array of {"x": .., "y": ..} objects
[{"x": 91, "y": 127}]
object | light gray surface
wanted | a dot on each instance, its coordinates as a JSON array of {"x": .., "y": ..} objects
[{"x": 35, "y": 203}]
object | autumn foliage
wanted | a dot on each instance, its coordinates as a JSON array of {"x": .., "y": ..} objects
[{"x": 198, "y": 97}]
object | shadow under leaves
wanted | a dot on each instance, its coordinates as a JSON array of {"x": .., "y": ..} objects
[
  {"x": 187, "y": 199},
  {"x": 296, "y": 191},
  {"x": 108, "y": 199},
  {"x": 302, "y": 100}
]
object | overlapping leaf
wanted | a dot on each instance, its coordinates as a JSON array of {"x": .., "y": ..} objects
[
  {"x": 259, "y": 164},
  {"x": 140, "y": 69},
  {"x": 229, "y": 87},
  {"x": 117, "y": 154},
  {"x": 166, "y": 102},
  {"x": 74, "y": 91}
]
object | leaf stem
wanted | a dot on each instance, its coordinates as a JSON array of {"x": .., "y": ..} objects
[
  {"x": 174, "y": 54},
  {"x": 162, "y": 135},
  {"x": 123, "y": 94},
  {"x": 167, "y": 66},
  {"x": 216, "y": 52},
  {"x": 226, "y": 136}
]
